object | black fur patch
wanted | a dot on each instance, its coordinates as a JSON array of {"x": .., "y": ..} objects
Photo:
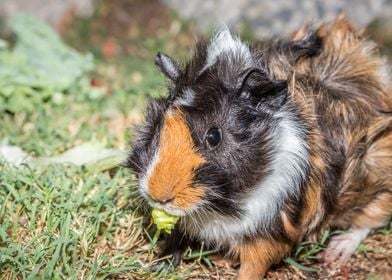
[{"x": 147, "y": 136}]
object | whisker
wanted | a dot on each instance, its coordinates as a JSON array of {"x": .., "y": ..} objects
[{"x": 134, "y": 163}]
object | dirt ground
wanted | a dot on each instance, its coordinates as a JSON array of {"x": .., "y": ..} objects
[{"x": 373, "y": 262}]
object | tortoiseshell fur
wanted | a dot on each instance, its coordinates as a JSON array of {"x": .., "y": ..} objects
[{"x": 327, "y": 87}]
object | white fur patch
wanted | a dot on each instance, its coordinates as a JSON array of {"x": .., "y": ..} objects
[
  {"x": 187, "y": 97},
  {"x": 143, "y": 182},
  {"x": 170, "y": 67},
  {"x": 384, "y": 72},
  {"x": 225, "y": 43},
  {"x": 261, "y": 205}
]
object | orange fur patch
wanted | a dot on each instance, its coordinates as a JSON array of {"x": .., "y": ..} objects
[
  {"x": 300, "y": 33},
  {"x": 258, "y": 255},
  {"x": 313, "y": 198},
  {"x": 378, "y": 162},
  {"x": 290, "y": 229},
  {"x": 378, "y": 159},
  {"x": 376, "y": 214},
  {"x": 341, "y": 35},
  {"x": 172, "y": 176}
]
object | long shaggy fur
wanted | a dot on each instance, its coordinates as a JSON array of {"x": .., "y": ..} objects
[{"x": 306, "y": 142}]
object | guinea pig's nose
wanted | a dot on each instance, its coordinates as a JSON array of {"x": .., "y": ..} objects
[
  {"x": 164, "y": 201},
  {"x": 161, "y": 200}
]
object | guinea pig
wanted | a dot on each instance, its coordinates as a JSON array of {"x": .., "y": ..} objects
[{"x": 259, "y": 146}]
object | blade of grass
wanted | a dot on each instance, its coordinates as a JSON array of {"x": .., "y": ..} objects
[{"x": 292, "y": 262}]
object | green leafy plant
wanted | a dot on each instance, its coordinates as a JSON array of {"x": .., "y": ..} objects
[{"x": 39, "y": 68}]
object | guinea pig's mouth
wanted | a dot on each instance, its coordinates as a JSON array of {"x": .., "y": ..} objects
[
  {"x": 169, "y": 209},
  {"x": 168, "y": 206}
]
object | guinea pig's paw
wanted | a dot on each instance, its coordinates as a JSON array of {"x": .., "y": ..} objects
[
  {"x": 165, "y": 264},
  {"x": 342, "y": 246}
]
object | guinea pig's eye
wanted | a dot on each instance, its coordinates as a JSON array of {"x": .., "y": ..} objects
[{"x": 213, "y": 137}]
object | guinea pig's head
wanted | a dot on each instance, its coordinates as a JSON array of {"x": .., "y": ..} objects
[{"x": 210, "y": 141}]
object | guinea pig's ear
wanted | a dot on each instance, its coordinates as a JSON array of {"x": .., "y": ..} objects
[
  {"x": 308, "y": 46},
  {"x": 167, "y": 66},
  {"x": 257, "y": 86}
]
